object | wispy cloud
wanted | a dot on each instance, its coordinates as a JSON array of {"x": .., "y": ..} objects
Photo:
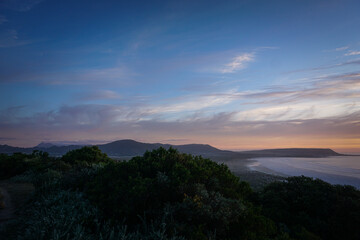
[
  {"x": 343, "y": 48},
  {"x": 147, "y": 36},
  {"x": 109, "y": 74},
  {"x": 11, "y": 114},
  {"x": 239, "y": 62},
  {"x": 324, "y": 96},
  {"x": 194, "y": 104},
  {"x": 352, "y": 53},
  {"x": 319, "y": 108},
  {"x": 98, "y": 95},
  {"x": 101, "y": 77},
  {"x": 10, "y": 38},
  {"x": 85, "y": 115},
  {"x": 333, "y": 86},
  {"x": 324, "y": 67},
  {"x": 91, "y": 123},
  {"x": 7, "y": 138},
  {"x": 298, "y": 111},
  {"x": 330, "y": 96}
]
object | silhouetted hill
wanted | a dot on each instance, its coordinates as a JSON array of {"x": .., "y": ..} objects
[
  {"x": 293, "y": 152},
  {"x": 120, "y": 148},
  {"x": 201, "y": 149},
  {"x": 133, "y": 148},
  {"x": 129, "y": 147},
  {"x": 53, "y": 150},
  {"x": 45, "y": 145},
  {"x": 9, "y": 149},
  {"x": 58, "y": 150}
]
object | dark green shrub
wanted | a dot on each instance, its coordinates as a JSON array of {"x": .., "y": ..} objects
[
  {"x": 2, "y": 203},
  {"x": 37, "y": 162},
  {"x": 203, "y": 198},
  {"x": 313, "y": 208},
  {"x": 85, "y": 156},
  {"x": 12, "y": 165}
]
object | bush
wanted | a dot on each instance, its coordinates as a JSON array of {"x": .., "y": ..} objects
[
  {"x": 2, "y": 203},
  {"x": 85, "y": 156},
  {"x": 66, "y": 214},
  {"x": 37, "y": 162},
  {"x": 313, "y": 208},
  {"x": 168, "y": 195},
  {"x": 203, "y": 198},
  {"x": 12, "y": 165}
]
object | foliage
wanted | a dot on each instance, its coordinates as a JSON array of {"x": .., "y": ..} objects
[
  {"x": 67, "y": 215},
  {"x": 12, "y": 165},
  {"x": 37, "y": 162},
  {"x": 310, "y": 208},
  {"x": 57, "y": 213},
  {"x": 40, "y": 162},
  {"x": 2, "y": 203},
  {"x": 168, "y": 195},
  {"x": 85, "y": 156},
  {"x": 204, "y": 198}
]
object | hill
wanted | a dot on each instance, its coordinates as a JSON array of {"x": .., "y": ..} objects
[
  {"x": 293, "y": 152},
  {"x": 133, "y": 148},
  {"x": 128, "y": 148},
  {"x": 120, "y": 148}
]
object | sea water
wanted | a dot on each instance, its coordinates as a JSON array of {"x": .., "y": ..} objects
[{"x": 335, "y": 170}]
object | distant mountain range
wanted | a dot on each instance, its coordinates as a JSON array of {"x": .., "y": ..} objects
[{"x": 128, "y": 148}]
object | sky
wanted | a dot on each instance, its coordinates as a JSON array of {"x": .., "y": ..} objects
[{"x": 245, "y": 74}]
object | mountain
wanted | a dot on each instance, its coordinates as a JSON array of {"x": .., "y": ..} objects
[
  {"x": 9, "y": 149},
  {"x": 128, "y": 148},
  {"x": 293, "y": 152},
  {"x": 132, "y": 148},
  {"x": 52, "y": 150},
  {"x": 58, "y": 150},
  {"x": 45, "y": 145},
  {"x": 120, "y": 148}
]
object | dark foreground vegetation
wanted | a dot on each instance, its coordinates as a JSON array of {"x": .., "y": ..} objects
[{"x": 168, "y": 195}]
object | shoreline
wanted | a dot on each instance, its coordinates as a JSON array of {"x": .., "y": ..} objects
[
  {"x": 254, "y": 165},
  {"x": 257, "y": 179}
]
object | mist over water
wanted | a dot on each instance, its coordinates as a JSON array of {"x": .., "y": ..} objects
[{"x": 335, "y": 170}]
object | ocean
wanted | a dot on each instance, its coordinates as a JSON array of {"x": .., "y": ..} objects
[{"x": 335, "y": 170}]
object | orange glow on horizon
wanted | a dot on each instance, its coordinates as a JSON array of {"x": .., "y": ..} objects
[
  {"x": 341, "y": 145},
  {"x": 241, "y": 143}
]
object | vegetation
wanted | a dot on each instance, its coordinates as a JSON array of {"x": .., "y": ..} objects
[
  {"x": 2, "y": 203},
  {"x": 202, "y": 197},
  {"x": 12, "y": 165},
  {"x": 85, "y": 156},
  {"x": 168, "y": 195},
  {"x": 310, "y": 208}
]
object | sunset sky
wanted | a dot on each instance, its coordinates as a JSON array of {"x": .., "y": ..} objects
[{"x": 232, "y": 74}]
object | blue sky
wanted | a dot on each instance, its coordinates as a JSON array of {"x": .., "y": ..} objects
[{"x": 234, "y": 74}]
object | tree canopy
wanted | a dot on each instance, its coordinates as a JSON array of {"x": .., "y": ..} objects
[{"x": 165, "y": 194}]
